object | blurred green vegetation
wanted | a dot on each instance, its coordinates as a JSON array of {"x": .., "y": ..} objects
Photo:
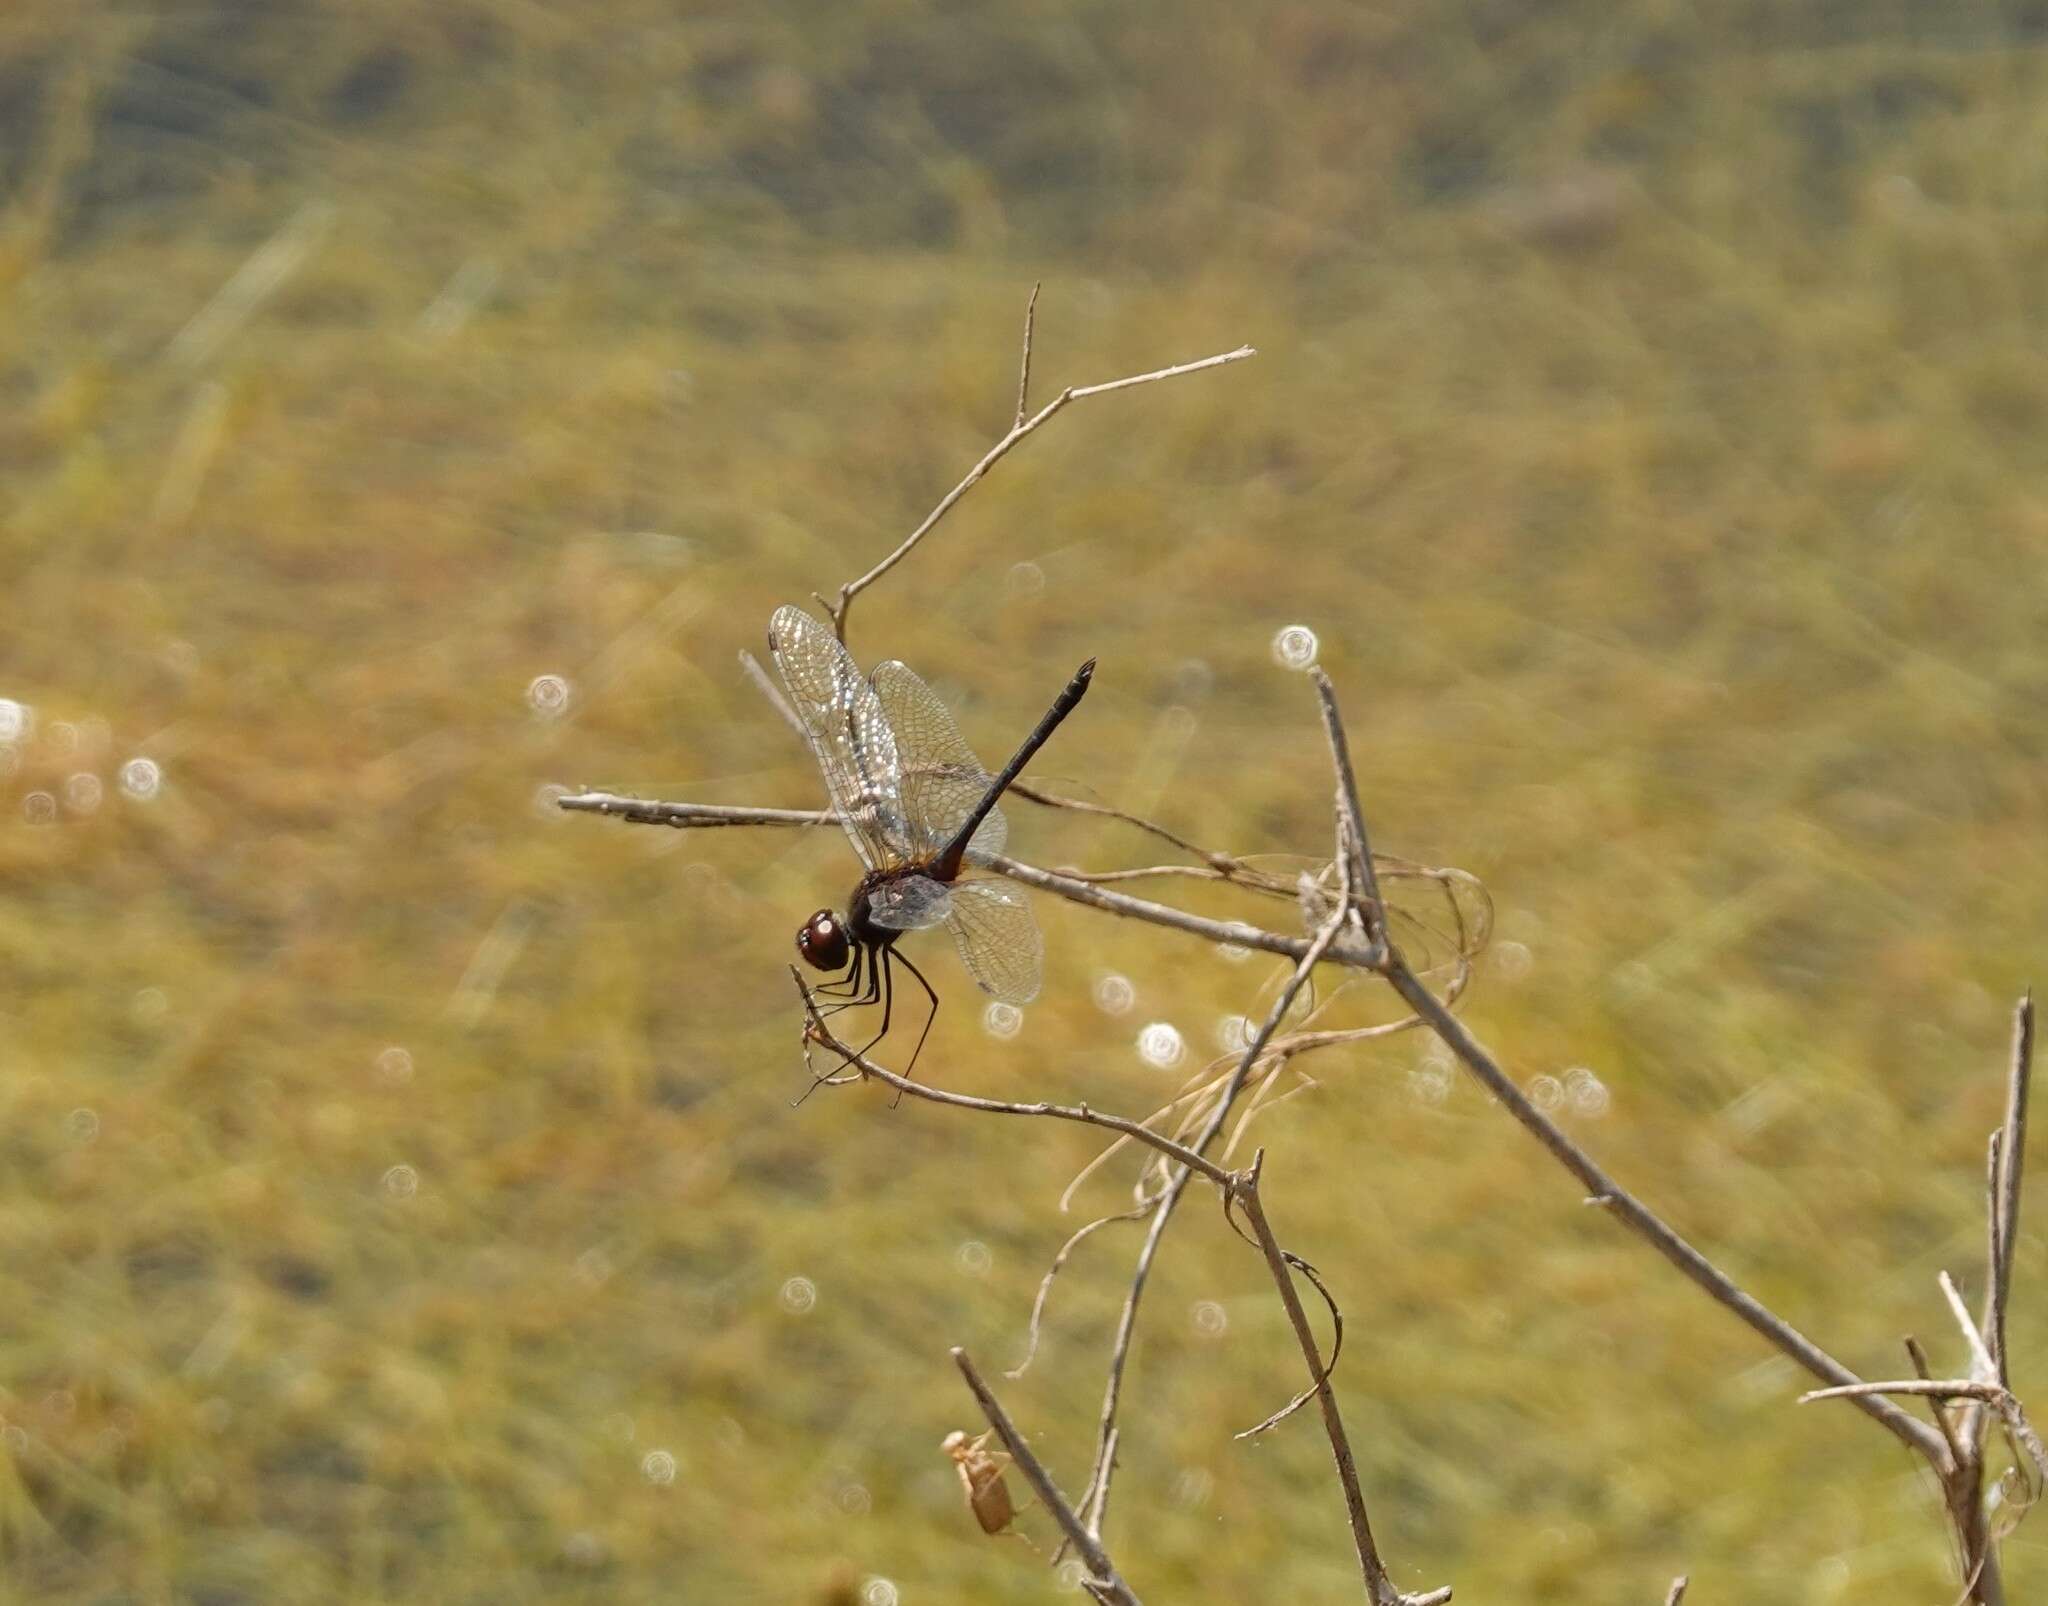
[{"x": 1649, "y": 420}]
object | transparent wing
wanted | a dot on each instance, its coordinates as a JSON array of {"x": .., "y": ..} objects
[
  {"x": 910, "y": 903},
  {"x": 942, "y": 780},
  {"x": 999, "y": 941},
  {"x": 849, "y": 733}
]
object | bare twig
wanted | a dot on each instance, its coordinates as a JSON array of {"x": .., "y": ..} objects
[
  {"x": 1940, "y": 1388},
  {"x": 1994, "y": 1257},
  {"x": 1644, "y": 1222},
  {"x": 1980, "y": 1354},
  {"x": 768, "y": 689},
  {"x": 1999, "y": 1398},
  {"x": 1328, "y": 1368},
  {"x": 1240, "y": 932},
  {"x": 1622, "y": 1204},
  {"x": 2012, "y": 1167},
  {"x": 818, "y": 1032},
  {"x": 1953, "y": 1445},
  {"x": 1105, "y": 1583},
  {"x": 995, "y": 454},
  {"x": 1169, "y": 1200},
  {"x": 1354, "y": 836},
  {"x": 1024, "y": 369},
  {"x": 1245, "y": 1191},
  {"x": 1058, "y": 1265},
  {"x": 1676, "y": 1593},
  {"x": 648, "y": 811}
]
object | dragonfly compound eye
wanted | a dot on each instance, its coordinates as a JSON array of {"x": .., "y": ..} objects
[{"x": 822, "y": 942}]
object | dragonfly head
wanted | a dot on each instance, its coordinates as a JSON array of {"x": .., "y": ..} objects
[{"x": 823, "y": 942}]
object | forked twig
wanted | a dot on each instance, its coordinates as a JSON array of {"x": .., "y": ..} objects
[{"x": 995, "y": 454}]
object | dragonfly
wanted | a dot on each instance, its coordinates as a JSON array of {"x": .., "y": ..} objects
[{"x": 920, "y": 812}]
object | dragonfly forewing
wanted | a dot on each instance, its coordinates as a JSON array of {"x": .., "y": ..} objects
[
  {"x": 940, "y": 780},
  {"x": 848, "y": 731}
]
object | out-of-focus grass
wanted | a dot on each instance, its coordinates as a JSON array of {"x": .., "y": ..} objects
[{"x": 1649, "y": 421}]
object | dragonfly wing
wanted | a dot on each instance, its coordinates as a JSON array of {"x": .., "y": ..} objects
[
  {"x": 999, "y": 941},
  {"x": 910, "y": 903},
  {"x": 942, "y": 779},
  {"x": 849, "y": 733}
]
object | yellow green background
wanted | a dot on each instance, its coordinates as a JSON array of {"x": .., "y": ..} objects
[{"x": 1649, "y": 420}]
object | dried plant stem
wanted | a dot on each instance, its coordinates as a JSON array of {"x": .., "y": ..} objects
[
  {"x": 1627, "y": 1208},
  {"x": 645, "y": 811},
  {"x": 1024, "y": 367},
  {"x": 650, "y": 811},
  {"x": 1676, "y": 1593},
  {"x": 1022, "y": 428},
  {"x": 1241, "y": 932},
  {"x": 1244, "y": 1192},
  {"x": 816, "y": 1031},
  {"x": 2011, "y": 1167},
  {"x": 1104, "y": 1583},
  {"x": 1097, "y": 1500}
]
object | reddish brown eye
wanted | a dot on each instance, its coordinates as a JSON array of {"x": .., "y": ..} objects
[{"x": 822, "y": 942}]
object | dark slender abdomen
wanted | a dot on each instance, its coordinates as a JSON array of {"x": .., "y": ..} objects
[{"x": 946, "y": 867}]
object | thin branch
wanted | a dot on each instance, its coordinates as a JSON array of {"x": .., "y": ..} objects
[
  {"x": 818, "y": 1032},
  {"x": 650, "y": 811},
  {"x": 1627, "y": 1208},
  {"x": 1097, "y": 1497},
  {"x": 1105, "y": 1582},
  {"x": 1918, "y": 1356},
  {"x": 647, "y": 811},
  {"x": 1940, "y": 1388},
  {"x": 2013, "y": 1158},
  {"x": 1365, "y": 878},
  {"x": 1222, "y": 863},
  {"x": 1980, "y": 1354},
  {"x": 995, "y": 454},
  {"x": 2000, "y": 1399},
  {"x": 1098, "y": 1494},
  {"x": 1315, "y": 1278},
  {"x": 1059, "y": 1262},
  {"x": 768, "y": 689},
  {"x": 1024, "y": 370},
  {"x": 1618, "y": 1200},
  {"x": 1245, "y": 1190},
  {"x": 1993, "y": 1319},
  {"x": 1240, "y": 932}
]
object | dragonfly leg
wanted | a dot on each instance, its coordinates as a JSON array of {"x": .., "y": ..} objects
[
  {"x": 882, "y": 983},
  {"x": 929, "y": 1018},
  {"x": 846, "y": 987}
]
